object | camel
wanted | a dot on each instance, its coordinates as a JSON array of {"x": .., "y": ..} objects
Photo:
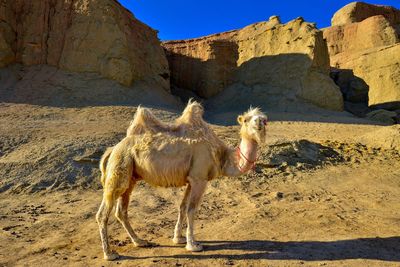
[{"x": 186, "y": 152}]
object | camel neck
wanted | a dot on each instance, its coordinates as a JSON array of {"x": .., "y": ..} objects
[{"x": 247, "y": 154}]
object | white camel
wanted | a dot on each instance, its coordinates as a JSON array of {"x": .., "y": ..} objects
[{"x": 185, "y": 152}]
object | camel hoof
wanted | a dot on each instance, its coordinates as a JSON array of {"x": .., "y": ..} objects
[
  {"x": 179, "y": 240},
  {"x": 195, "y": 247},
  {"x": 111, "y": 256},
  {"x": 143, "y": 243}
]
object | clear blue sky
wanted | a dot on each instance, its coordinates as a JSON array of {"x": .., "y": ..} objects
[{"x": 183, "y": 19}]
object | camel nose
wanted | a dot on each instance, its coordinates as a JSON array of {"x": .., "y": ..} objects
[{"x": 260, "y": 123}]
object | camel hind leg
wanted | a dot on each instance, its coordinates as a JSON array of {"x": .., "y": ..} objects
[
  {"x": 117, "y": 179},
  {"x": 102, "y": 219},
  {"x": 121, "y": 213}
]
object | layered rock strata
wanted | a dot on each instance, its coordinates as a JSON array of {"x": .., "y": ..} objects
[
  {"x": 82, "y": 36},
  {"x": 364, "y": 39},
  {"x": 281, "y": 60}
]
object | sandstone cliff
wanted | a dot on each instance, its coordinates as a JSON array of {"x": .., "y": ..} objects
[
  {"x": 359, "y": 11},
  {"x": 82, "y": 36},
  {"x": 372, "y": 32},
  {"x": 364, "y": 39},
  {"x": 380, "y": 69},
  {"x": 277, "y": 61},
  {"x": 7, "y": 34}
]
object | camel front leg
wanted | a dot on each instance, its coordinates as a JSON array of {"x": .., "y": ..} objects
[
  {"x": 178, "y": 237},
  {"x": 197, "y": 191}
]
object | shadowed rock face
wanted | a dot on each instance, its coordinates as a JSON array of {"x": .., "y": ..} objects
[
  {"x": 380, "y": 69},
  {"x": 82, "y": 36},
  {"x": 286, "y": 60},
  {"x": 365, "y": 40},
  {"x": 7, "y": 34},
  {"x": 210, "y": 69}
]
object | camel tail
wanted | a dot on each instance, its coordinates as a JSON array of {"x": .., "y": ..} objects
[{"x": 103, "y": 164}]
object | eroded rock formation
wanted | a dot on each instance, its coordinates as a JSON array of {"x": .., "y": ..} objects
[
  {"x": 269, "y": 58},
  {"x": 359, "y": 11},
  {"x": 380, "y": 69},
  {"x": 364, "y": 39},
  {"x": 82, "y": 36},
  {"x": 372, "y": 32}
]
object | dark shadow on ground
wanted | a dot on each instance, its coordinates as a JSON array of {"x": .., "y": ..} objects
[
  {"x": 45, "y": 85},
  {"x": 379, "y": 248},
  {"x": 394, "y": 105}
]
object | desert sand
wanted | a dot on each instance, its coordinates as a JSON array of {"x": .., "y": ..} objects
[{"x": 324, "y": 192}]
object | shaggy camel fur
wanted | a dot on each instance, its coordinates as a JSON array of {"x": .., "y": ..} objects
[{"x": 185, "y": 152}]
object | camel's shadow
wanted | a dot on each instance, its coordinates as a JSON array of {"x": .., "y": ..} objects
[{"x": 384, "y": 249}]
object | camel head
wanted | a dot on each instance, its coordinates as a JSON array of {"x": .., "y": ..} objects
[{"x": 253, "y": 125}]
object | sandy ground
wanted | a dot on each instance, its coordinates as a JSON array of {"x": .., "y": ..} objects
[{"x": 318, "y": 197}]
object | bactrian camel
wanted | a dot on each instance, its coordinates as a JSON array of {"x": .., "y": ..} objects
[{"x": 186, "y": 152}]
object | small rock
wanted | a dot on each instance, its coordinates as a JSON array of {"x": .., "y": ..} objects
[
  {"x": 257, "y": 195},
  {"x": 382, "y": 115},
  {"x": 276, "y": 195},
  {"x": 229, "y": 262}
]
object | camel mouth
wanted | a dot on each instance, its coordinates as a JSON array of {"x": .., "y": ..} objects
[{"x": 262, "y": 124}]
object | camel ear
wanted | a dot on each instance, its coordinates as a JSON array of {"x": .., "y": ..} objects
[{"x": 240, "y": 119}]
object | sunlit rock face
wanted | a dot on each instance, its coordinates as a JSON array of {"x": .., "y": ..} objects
[
  {"x": 359, "y": 11},
  {"x": 272, "y": 62},
  {"x": 364, "y": 39},
  {"x": 82, "y": 36}
]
